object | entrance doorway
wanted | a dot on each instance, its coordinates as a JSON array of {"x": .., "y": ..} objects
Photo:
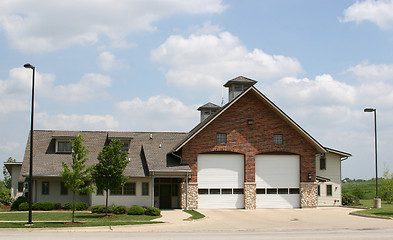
[{"x": 166, "y": 191}]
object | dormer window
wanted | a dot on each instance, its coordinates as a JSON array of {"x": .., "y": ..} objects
[
  {"x": 63, "y": 146},
  {"x": 126, "y": 146}
]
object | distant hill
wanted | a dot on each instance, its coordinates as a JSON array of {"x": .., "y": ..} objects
[{"x": 364, "y": 189}]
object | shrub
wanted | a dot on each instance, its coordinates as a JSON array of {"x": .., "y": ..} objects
[
  {"x": 358, "y": 192},
  {"x": 57, "y": 206},
  {"x": 1, "y": 204},
  {"x": 67, "y": 206},
  {"x": 17, "y": 202},
  {"x": 120, "y": 210},
  {"x": 44, "y": 206},
  {"x": 349, "y": 199},
  {"x": 98, "y": 209},
  {"x": 23, "y": 206},
  {"x": 37, "y": 206},
  {"x": 81, "y": 206},
  {"x": 153, "y": 211},
  {"x": 136, "y": 210}
]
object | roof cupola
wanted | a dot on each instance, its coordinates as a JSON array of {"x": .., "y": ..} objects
[{"x": 237, "y": 86}]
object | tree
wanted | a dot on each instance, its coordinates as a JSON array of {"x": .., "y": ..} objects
[
  {"x": 77, "y": 177},
  {"x": 6, "y": 174},
  {"x": 387, "y": 185},
  {"x": 108, "y": 172}
]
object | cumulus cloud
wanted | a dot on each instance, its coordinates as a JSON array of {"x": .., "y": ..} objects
[
  {"x": 52, "y": 25},
  {"x": 76, "y": 122},
  {"x": 15, "y": 91},
  {"x": 207, "y": 60},
  {"x": 378, "y": 12},
  {"x": 158, "y": 113},
  {"x": 107, "y": 61},
  {"x": 372, "y": 72}
]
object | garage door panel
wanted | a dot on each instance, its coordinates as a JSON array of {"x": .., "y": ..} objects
[
  {"x": 220, "y": 172},
  {"x": 276, "y": 172}
]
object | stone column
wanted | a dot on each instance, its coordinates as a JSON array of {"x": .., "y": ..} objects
[
  {"x": 192, "y": 195},
  {"x": 308, "y": 194},
  {"x": 250, "y": 195}
]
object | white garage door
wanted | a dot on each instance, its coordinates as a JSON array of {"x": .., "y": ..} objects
[
  {"x": 277, "y": 181},
  {"x": 220, "y": 181}
]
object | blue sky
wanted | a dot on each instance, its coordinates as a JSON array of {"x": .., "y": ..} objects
[{"x": 148, "y": 65}]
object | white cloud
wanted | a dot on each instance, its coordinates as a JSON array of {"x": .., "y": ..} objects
[
  {"x": 9, "y": 146},
  {"x": 378, "y": 12},
  {"x": 107, "y": 61},
  {"x": 76, "y": 122},
  {"x": 372, "y": 72},
  {"x": 15, "y": 92},
  {"x": 52, "y": 25},
  {"x": 206, "y": 61},
  {"x": 206, "y": 28},
  {"x": 158, "y": 113}
]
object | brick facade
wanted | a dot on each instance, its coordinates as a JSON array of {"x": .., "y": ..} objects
[{"x": 250, "y": 139}]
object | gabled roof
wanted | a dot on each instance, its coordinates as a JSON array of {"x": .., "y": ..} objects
[
  {"x": 242, "y": 80},
  {"x": 145, "y": 153},
  {"x": 263, "y": 98},
  {"x": 342, "y": 154},
  {"x": 209, "y": 105}
]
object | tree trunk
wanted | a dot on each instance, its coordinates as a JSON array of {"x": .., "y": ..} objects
[
  {"x": 106, "y": 203},
  {"x": 73, "y": 207}
]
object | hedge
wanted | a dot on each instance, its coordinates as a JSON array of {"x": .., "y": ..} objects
[
  {"x": 17, "y": 202},
  {"x": 136, "y": 210}
]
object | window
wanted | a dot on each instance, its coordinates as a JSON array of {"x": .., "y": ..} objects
[
  {"x": 294, "y": 191},
  {"x": 221, "y": 138},
  {"x": 329, "y": 190},
  {"x": 63, "y": 189},
  {"x": 238, "y": 191},
  {"x": 319, "y": 190},
  {"x": 126, "y": 146},
  {"x": 45, "y": 188},
  {"x": 145, "y": 189},
  {"x": 63, "y": 147},
  {"x": 129, "y": 188},
  {"x": 203, "y": 191},
  {"x": 283, "y": 191},
  {"x": 115, "y": 191},
  {"x": 100, "y": 191},
  {"x": 272, "y": 191},
  {"x": 322, "y": 162},
  {"x": 20, "y": 186},
  {"x": 278, "y": 139},
  {"x": 215, "y": 191},
  {"x": 226, "y": 191},
  {"x": 261, "y": 191}
]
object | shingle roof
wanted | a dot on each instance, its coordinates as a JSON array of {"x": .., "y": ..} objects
[
  {"x": 209, "y": 105},
  {"x": 145, "y": 153},
  {"x": 242, "y": 80}
]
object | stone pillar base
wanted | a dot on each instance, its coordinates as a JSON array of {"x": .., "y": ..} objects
[
  {"x": 192, "y": 195},
  {"x": 308, "y": 194},
  {"x": 250, "y": 195},
  {"x": 377, "y": 203}
]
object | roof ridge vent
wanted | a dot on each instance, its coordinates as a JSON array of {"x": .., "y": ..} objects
[{"x": 151, "y": 136}]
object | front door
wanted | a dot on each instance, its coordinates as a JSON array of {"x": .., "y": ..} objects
[{"x": 165, "y": 196}]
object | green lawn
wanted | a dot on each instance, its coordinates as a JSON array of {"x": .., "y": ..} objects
[
  {"x": 57, "y": 219},
  {"x": 386, "y": 210},
  {"x": 194, "y": 215}
]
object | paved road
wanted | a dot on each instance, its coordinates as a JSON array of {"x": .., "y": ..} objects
[
  {"x": 317, "y": 235},
  {"x": 317, "y": 223}
]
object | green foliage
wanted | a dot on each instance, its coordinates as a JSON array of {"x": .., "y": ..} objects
[
  {"x": 98, "y": 209},
  {"x": 153, "y": 211},
  {"x": 57, "y": 206},
  {"x": 23, "y": 206},
  {"x": 350, "y": 200},
  {"x": 367, "y": 186},
  {"x": 194, "y": 215},
  {"x": 17, "y": 202},
  {"x": 43, "y": 206},
  {"x": 76, "y": 177},
  {"x": 120, "y": 210},
  {"x": 6, "y": 174},
  {"x": 81, "y": 206},
  {"x": 136, "y": 210},
  {"x": 67, "y": 206},
  {"x": 358, "y": 192},
  {"x": 387, "y": 186},
  {"x": 108, "y": 173},
  {"x": 5, "y": 195}
]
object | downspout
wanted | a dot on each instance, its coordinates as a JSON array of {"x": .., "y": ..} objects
[
  {"x": 152, "y": 189},
  {"x": 187, "y": 191}
]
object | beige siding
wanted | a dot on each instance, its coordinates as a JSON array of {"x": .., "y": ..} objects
[
  {"x": 14, "y": 181},
  {"x": 127, "y": 200},
  {"x": 333, "y": 172}
]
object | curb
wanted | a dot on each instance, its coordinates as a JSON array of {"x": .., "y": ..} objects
[{"x": 370, "y": 216}]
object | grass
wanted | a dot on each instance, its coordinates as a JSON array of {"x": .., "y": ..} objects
[
  {"x": 194, "y": 215},
  {"x": 57, "y": 219},
  {"x": 367, "y": 187}
]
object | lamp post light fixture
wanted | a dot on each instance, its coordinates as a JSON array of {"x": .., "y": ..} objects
[
  {"x": 30, "y": 191},
  {"x": 377, "y": 200}
]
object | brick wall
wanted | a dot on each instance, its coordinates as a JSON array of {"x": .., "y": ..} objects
[{"x": 250, "y": 140}]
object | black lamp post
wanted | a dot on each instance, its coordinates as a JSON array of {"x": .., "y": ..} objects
[
  {"x": 30, "y": 220},
  {"x": 377, "y": 200}
]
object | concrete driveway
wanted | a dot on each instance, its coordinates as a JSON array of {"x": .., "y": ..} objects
[{"x": 335, "y": 218}]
